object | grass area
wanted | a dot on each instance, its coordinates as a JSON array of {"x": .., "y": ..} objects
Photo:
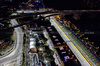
[{"x": 46, "y": 43}]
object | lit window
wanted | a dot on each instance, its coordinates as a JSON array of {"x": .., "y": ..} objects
[{"x": 61, "y": 48}]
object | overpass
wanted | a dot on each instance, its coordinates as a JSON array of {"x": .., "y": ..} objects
[{"x": 21, "y": 14}]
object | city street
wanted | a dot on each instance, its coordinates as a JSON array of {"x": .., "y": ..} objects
[{"x": 49, "y": 33}]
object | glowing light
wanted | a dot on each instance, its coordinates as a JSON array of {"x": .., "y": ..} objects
[
  {"x": 37, "y": 1},
  {"x": 66, "y": 58},
  {"x": 43, "y": 5}
]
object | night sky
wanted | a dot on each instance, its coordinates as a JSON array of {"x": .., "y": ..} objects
[
  {"x": 59, "y": 4},
  {"x": 63, "y": 4},
  {"x": 67, "y": 4}
]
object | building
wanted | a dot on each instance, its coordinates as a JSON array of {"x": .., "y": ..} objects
[{"x": 33, "y": 45}]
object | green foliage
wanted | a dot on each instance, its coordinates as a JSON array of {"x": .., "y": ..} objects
[{"x": 24, "y": 39}]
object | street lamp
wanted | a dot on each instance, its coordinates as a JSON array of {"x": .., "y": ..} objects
[{"x": 41, "y": 49}]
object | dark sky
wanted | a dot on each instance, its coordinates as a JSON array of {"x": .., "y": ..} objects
[
  {"x": 73, "y": 4},
  {"x": 63, "y": 4},
  {"x": 68, "y": 4}
]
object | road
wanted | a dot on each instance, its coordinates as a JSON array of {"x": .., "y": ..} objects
[
  {"x": 85, "y": 61},
  {"x": 16, "y": 54},
  {"x": 31, "y": 11}
]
